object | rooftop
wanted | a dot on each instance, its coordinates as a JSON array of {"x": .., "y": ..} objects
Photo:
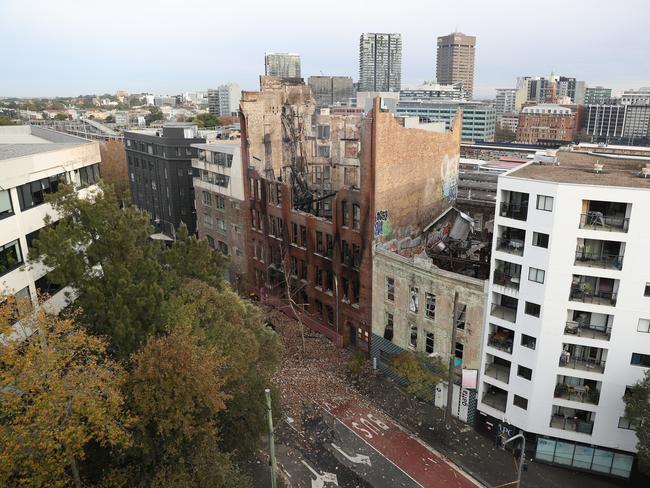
[
  {"x": 23, "y": 140},
  {"x": 621, "y": 173}
]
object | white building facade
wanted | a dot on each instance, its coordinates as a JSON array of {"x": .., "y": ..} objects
[
  {"x": 568, "y": 312},
  {"x": 34, "y": 162}
]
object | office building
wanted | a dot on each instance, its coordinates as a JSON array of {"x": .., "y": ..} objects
[
  {"x": 160, "y": 174},
  {"x": 597, "y": 95},
  {"x": 331, "y": 90},
  {"x": 33, "y": 163},
  {"x": 219, "y": 198},
  {"x": 636, "y": 97},
  {"x": 546, "y": 124},
  {"x": 636, "y": 129},
  {"x": 455, "y": 61},
  {"x": 285, "y": 65},
  {"x": 569, "y": 308},
  {"x": 505, "y": 101},
  {"x": 604, "y": 122},
  {"x": 380, "y": 62},
  {"x": 433, "y": 92}
]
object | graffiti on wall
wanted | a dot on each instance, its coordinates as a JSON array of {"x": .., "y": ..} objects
[
  {"x": 450, "y": 178},
  {"x": 382, "y": 224}
]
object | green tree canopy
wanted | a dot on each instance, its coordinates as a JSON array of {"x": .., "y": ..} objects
[
  {"x": 155, "y": 115},
  {"x": 637, "y": 409},
  {"x": 205, "y": 120}
]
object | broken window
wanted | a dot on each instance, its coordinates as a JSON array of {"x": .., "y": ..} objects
[
  {"x": 323, "y": 151},
  {"x": 388, "y": 328},
  {"x": 390, "y": 289},
  {"x": 428, "y": 347},
  {"x": 414, "y": 299},
  {"x": 458, "y": 351},
  {"x": 356, "y": 217},
  {"x": 413, "y": 336},
  {"x": 323, "y": 131},
  {"x": 461, "y": 311},
  {"x": 430, "y": 305},
  {"x": 350, "y": 177}
]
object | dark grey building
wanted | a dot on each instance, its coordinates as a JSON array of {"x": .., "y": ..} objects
[
  {"x": 330, "y": 90},
  {"x": 160, "y": 173}
]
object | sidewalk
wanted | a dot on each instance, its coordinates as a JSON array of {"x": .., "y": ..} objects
[{"x": 467, "y": 448}]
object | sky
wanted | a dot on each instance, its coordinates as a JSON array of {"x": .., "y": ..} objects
[{"x": 72, "y": 47}]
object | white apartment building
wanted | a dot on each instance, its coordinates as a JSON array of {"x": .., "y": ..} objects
[
  {"x": 568, "y": 318},
  {"x": 229, "y": 96},
  {"x": 33, "y": 162}
]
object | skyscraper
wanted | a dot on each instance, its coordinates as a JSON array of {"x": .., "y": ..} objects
[
  {"x": 286, "y": 65},
  {"x": 455, "y": 61},
  {"x": 329, "y": 90},
  {"x": 380, "y": 62}
]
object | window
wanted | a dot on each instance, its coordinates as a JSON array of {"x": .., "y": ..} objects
[
  {"x": 6, "y": 208},
  {"x": 210, "y": 240},
  {"x": 458, "y": 351},
  {"x": 11, "y": 257},
  {"x": 329, "y": 240},
  {"x": 356, "y": 217},
  {"x": 46, "y": 287},
  {"x": 319, "y": 242},
  {"x": 223, "y": 247},
  {"x": 253, "y": 218},
  {"x": 356, "y": 255},
  {"x": 544, "y": 203},
  {"x": 220, "y": 202},
  {"x": 88, "y": 175},
  {"x": 540, "y": 240},
  {"x": 329, "y": 284},
  {"x": 524, "y": 372},
  {"x": 626, "y": 423},
  {"x": 319, "y": 277},
  {"x": 520, "y": 402},
  {"x": 532, "y": 309},
  {"x": 536, "y": 275},
  {"x": 646, "y": 292},
  {"x": 207, "y": 199},
  {"x": 33, "y": 193},
  {"x": 413, "y": 336},
  {"x": 428, "y": 346},
  {"x": 390, "y": 289},
  {"x": 639, "y": 359},
  {"x": 208, "y": 220},
  {"x": 356, "y": 290},
  {"x": 528, "y": 341},
  {"x": 388, "y": 328},
  {"x": 303, "y": 236},
  {"x": 279, "y": 194},
  {"x": 414, "y": 299},
  {"x": 323, "y": 151},
  {"x": 221, "y": 225},
  {"x": 323, "y": 131},
  {"x": 430, "y": 306},
  {"x": 345, "y": 213},
  {"x": 461, "y": 310},
  {"x": 643, "y": 325},
  {"x": 303, "y": 270}
]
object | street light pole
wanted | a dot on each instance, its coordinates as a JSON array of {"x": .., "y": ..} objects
[
  {"x": 521, "y": 454},
  {"x": 274, "y": 466}
]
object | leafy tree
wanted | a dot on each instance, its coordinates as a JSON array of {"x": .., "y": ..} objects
[
  {"x": 105, "y": 253},
  {"x": 155, "y": 114},
  {"x": 114, "y": 170},
  {"x": 177, "y": 391},
  {"x": 503, "y": 134},
  {"x": 421, "y": 372},
  {"x": 61, "y": 116},
  {"x": 4, "y": 120},
  {"x": 60, "y": 392},
  {"x": 205, "y": 120},
  {"x": 637, "y": 408}
]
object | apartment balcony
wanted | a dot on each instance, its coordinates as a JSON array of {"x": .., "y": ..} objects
[
  {"x": 517, "y": 211},
  {"x": 497, "y": 368},
  {"x": 507, "y": 274},
  {"x": 590, "y": 325},
  {"x": 511, "y": 245},
  {"x": 577, "y": 390},
  {"x": 587, "y": 331},
  {"x": 583, "y": 358},
  {"x": 599, "y": 254},
  {"x": 591, "y": 289},
  {"x": 605, "y": 216},
  {"x": 573, "y": 420},
  {"x": 504, "y": 312},
  {"x": 501, "y": 338},
  {"x": 495, "y": 397}
]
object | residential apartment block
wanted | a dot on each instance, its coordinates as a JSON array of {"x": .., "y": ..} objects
[
  {"x": 284, "y": 65},
  {"x": 380, "y": 62},
  {"x": 569, "y": 309},
  {"x": 331, "y": 90},
  {"x": 546, "y": 124},
  {"x": 33, "y": 163}
]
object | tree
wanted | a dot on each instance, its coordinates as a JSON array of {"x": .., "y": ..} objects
[
  {"x": 205, "y": 120},
  {"x": 4, "y": 120},
  {"x": 155, "y": 114},
  {"x": 105, "y": 253},
  {"x": 422, "y": 373},
  {"x": 176, "y": 390},
  {"x": 114, "y": 170},
  {"x": 60, "y": 392},
  {"x": 637, "y": 409},
  {"x": 503, "y": 134},
  {"x": 61, "y": 116}
]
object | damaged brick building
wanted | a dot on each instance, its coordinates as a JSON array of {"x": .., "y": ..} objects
[{"x": 320, "y": 188}]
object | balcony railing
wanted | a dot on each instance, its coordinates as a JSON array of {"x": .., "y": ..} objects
[
  {"x": 583, "y": 364},
  {"x": 598, "y": 260},
  {"x": 572, "y": 424},
  {"x": 579, "y": 294},
  {"x": 514, "y": 210},
  {"x": 598, "y": 221},
  {"x": 498, "y": 372},
  {"x": 510, "y": 245},
  {"x": 505, "y": 313},
  {"x": 503, "y": 279},
  {"x": 499, "y": 342},
  {"x": 496, "y": 400},
  {"x": 588, "y": 331},
  {"x": 583, "y": 394}
]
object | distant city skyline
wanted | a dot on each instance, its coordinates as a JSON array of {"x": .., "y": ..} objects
[{"x": 142, "y": 47}]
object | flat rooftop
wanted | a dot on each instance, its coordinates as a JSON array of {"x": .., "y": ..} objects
[
  {"x": 23, "y": 140},
  {"x": 619, "y": 173}
]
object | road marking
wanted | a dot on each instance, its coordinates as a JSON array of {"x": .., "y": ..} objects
[
  {"x": 321, "y": 479},
  {"x": 358, "y": 458}
]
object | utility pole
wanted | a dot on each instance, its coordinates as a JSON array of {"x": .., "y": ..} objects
[
  {"x": 452, "y": 357},
  {"x": 521, "y": 454},
  {"x": 274, "y": 466}
]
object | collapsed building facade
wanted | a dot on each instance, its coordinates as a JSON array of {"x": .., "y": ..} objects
[{"x": 321, "y": 188}]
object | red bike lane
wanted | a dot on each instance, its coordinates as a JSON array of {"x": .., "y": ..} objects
[{"x": 410, "y": 455}]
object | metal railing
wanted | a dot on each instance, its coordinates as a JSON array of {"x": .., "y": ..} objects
[
  {"x": 498, "y": 372},
  {"x": 496, "y": 400},
  {"x": 573, "y": 424},
  {"x": 503, "y": 279},
  {"x": 582, "y": 394},
  {"x": 584, "y": 364},
  {"x": 579, "y": 294},
  {"x": 500, "y": 343},
  {"x": 505, "y": 313},
  {"x": 511, "y": 245},
  {"x": 589, "y": 331},
  {"x": 514, "y": 210},
  {"x": 598, "y": 221},
  {"x": 599, "y": 260}
]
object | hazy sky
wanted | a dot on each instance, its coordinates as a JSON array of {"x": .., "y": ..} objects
[{"x": 72, "y": 47}]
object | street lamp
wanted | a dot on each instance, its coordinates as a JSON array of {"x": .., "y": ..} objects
[{"x": 173, "y": 233}]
